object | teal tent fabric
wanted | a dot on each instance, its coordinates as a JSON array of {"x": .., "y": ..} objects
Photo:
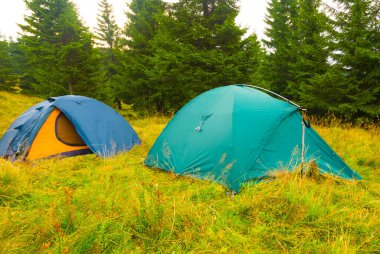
[{"x": 236, "y": 133}]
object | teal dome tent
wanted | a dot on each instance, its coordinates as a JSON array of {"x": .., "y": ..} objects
[{"x": 237, "y": 133}]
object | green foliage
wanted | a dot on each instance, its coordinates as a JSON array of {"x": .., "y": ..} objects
[
  {"x": 326, "y": 59},
  {"x": 309, "y": 45},
  {"x": 86, "y": 204},
  {"x": 11, "y": 65},
  {"x": 327, "y": 64},
  {"x": 107, "y": 31},
  {"x": 108, "y": 38},
  {"x": 276, "y": 71},
  {"x": 134, "y": 82},
  {"x": 58, "y": 49},
  {"x": 5, "y": 64},
  {"x": 142, "y": 24},
  {"x": 178, "y": 53},
  {"x": 297, "y": 47},
  {"x": 351, "y": 87}
]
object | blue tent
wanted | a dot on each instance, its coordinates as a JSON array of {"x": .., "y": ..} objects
[
  {"x": 236, "y": 133},
  {"x": 67, "y": 125}
]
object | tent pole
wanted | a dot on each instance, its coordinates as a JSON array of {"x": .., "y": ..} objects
[
  {"x": 303, "y": 142},
  {"x": 305, "y": 123},
  {"x": 280, "y": 96}
]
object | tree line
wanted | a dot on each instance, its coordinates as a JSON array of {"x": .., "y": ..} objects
[{"x": 326, "y": 58}]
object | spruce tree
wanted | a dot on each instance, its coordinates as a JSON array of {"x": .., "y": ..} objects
[
  {"x": 60, "y": 57},
  {"x": 142, "y": 24},
  {"x": 107, "y": 30},
  {"x": 276, "y": 69},
  {"x": 174, "y": 52},
  {"x": 12, "y": 62},
  {"x": 135, "y": 60},
  {"x": 309, "y": 47},
  {"x": 5, "y": 65},
  {"x": 198, "y": 46},
  {"x": 107, "y": 37},
  {"x": 351, "y": 87}
]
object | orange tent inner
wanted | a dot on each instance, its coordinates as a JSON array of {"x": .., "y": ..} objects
[{"x": 56, "y": 136}]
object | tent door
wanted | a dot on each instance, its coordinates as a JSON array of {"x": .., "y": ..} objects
[{"x": 57, "y": 136}]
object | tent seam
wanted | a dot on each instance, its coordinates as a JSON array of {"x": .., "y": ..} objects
[{"x": 265, "y": 140}]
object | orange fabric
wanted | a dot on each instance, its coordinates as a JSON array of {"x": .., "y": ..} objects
[
  {"x": 66, "y": 133},
  {"x": 46, "y": 143}
]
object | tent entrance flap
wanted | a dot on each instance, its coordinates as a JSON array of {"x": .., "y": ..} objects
[
  {"x": 66, "y": 133},
  {"x": 56, "y": 136}
]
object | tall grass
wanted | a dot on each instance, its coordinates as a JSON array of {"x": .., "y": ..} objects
[{"x": 90, "y": 205}]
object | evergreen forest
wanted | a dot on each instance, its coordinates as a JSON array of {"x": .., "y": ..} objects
[{"x": 324, "y": 57}]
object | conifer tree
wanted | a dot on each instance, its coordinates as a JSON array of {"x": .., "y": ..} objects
[
  {"x": 220, "y": 53},
  {"x": 12, "y": 63},
  {"x": 107, "y": 30},
  {"x": 142, "y": 25},
  {"x": 107, "y": 37},
  {"x": 133, "y": 79},
  {"x": 358, "y": 39},
  {"x": 196, "y": 45},
  {"x": 58, "y": 47},
  {"x": 351, "y": 87},
  {"x": 276, "y": 70},
  {"x": 309, "y": 46},
  {"x": 5, "y": 64}
]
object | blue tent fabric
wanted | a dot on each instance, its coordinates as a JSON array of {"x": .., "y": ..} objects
[
  {"x": 101, "y": 127},
  {"x": 236, "y": 133}
]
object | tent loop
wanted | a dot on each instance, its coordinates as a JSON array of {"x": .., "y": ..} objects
[
  {"x": 199, "y": 127},
  {"x": 204, "y": 118},
  {"x": 231, "y": 193},
  {"x": 305, "y": 118}
]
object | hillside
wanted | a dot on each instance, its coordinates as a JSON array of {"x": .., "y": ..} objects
[{"x": 87, "y": 204}]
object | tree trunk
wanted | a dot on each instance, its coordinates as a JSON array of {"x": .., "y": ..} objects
[{"x": 71, "y": 88}]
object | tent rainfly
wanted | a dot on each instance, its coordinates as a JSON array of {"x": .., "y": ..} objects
[
  {"x": 237, "y": 133},
  {"x": 68, "y": 126}
]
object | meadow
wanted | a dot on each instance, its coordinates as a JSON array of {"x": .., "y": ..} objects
[{"x": 86, "y": 204}]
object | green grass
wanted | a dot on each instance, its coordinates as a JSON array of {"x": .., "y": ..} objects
[{"x": 87, "y": 204}]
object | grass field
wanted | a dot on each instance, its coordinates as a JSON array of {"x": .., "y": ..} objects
[{"x": 87, "y": 204}]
